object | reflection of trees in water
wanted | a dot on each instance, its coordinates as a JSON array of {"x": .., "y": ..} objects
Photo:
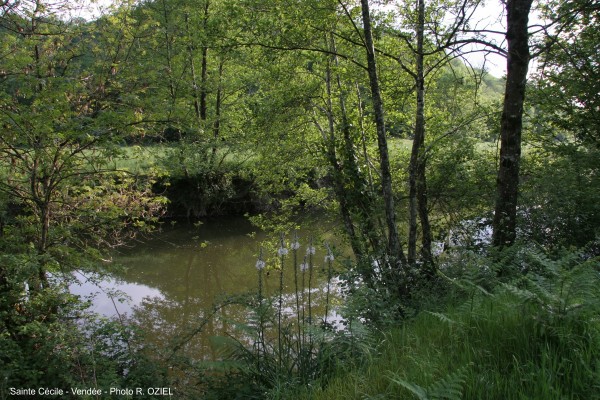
[
  {"x": 193, "y": 279},
  {"x": 191, "y": 324},
  {"x": 163, "y": 321},
  {"x": 218, "y": 257},
  {"x": 194, "y": 270}
]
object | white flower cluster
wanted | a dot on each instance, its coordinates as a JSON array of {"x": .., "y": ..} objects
[
  {"x": 304, "y": 267},
  {"x": 310, "y": 250},
  {"x": 329, "y": 257},
  {"x": 282, "y": 252},
  {"x": 260, "y": 264},
  {"x": 295, "y": 245}
]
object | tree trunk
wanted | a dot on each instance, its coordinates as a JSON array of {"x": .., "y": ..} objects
[
  {"x": 363, "y": 138},
  {"x": 191, "y": 49},
  {"x": 169, "y": 55},
  {"x": 338, "y": 183},
  {"x": 359, "y": 202},
  {"x": 424, "y": 214},
  {"x": 417, "y": 179},
  {"x": 507, "y": 183},
  {"x": 394, "y": 246},
  {"x": 218, "y": 102},
  {"x": 42, "y": 245},
  {"x": 204, "y": 68}
]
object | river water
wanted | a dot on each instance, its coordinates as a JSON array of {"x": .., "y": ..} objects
[{"x": 173, "y": 280}]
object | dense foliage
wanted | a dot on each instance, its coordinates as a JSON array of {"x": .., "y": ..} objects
[{"x": 369, "y": 116}]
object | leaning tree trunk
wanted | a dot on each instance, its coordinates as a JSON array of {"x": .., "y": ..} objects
[
  {"x": 394, "y": 246},
  {"x": 338, "y": 173},
  {"x": 507, "y": 184}
]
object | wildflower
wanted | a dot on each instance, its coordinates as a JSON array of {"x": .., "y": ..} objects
[
  {"x": 260, "y": 264},
  {"x": 310, "y": 250},
  {"x": 329, "y": 257},
  {"x": 282, "y": 251},
  {"x": 304, "y": 267},
  {"x": 295, "y": 245}
]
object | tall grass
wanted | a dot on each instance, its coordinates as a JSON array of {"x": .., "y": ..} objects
[{"x": 536, "y": 338}]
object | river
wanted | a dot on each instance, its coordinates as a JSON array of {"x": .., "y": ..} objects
[{"x": 173, "y": 280}]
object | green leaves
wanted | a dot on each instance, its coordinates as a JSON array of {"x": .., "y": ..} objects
[{"x": 568, "y": 84}]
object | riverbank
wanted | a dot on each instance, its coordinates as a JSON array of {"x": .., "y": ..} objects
[
  {"x": 534, "y": 337},
  {"x": 204, "y": 185}
]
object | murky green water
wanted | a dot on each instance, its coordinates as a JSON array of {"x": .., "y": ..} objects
[{"x": 175, "y": 279}]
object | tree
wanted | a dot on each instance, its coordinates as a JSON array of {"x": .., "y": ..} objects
[
  {"x": 432, "y": 41},
  {"x": 65, "y": 207},
  {"x": 569, "y": 67},
  {"x": 560, "y": 196},
  {"x": 318, "y": 72},
  {"x": 394, "y": 245},
  {"x": 517, "y": 62}
]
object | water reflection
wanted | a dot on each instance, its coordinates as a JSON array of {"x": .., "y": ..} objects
[
  {"x": 176, "y": 278},
  {"x": 111, "y": 296},
  {"x": 190, "y": 262}
]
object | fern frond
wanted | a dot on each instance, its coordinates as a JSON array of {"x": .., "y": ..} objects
[
  {"x": 451, "y": 387},
  {"x": 523, "y": 295},
  {"x": 447, "y": 388},
  {"x": 415, "y": 389},
  {"x": 225, "y": 346},
  {"x": 442, "y": 317}
]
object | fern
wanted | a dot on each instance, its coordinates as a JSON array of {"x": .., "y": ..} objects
[
  {"x": 560, "y": 287},
  {"x": 442, "y": 317},
  {"x": 451, "y": 387},
  {"x": 524, "y": 295},
  {"x": 415, "y": 389},
  {"x": 448, "y": 388}
]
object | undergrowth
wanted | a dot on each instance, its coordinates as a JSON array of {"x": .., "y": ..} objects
[
  {"x": 530, "y": 333},
  {"x": 285, "y": 341}
]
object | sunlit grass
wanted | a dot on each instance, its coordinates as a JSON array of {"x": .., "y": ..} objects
[
  {"x": 141, "y": 159},
  {"x": 505, "y": 349}
]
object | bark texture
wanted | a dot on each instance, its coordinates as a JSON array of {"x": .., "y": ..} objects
[
  {"x": 417, "y": 179},
  {"x": 507, "y": 183}
]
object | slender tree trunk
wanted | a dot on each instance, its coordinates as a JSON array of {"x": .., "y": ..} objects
[
  {"x": 359, "y": 203},
  {"x": 363, "y": 137},
  {"x": 169, "y": 55},
  {"x": 338, "y": 182},
  {"x": 417, "y": 179},
  {"x": 507, "y": 183},
  {"x": 422, "y": 202},
  {"x": 43, "y": 243},
  {"x": 218, "y": 101},
  {"x": 191, "y": 50},
  {"x": 38, "y": 185},
  {"x": 204, "y": 68},
  {"x": 172, "y": 90},
  {"x": 394, "y": 245},
  {"x": 379, "y": 226}
]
